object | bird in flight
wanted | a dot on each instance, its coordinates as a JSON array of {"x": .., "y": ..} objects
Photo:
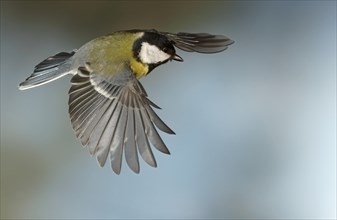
[{"x": 109, "y": 109}]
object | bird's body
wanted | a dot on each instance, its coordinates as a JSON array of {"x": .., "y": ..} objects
[
  {"x": 108, "y": 107},
  {"x": 117, "y": 45}
]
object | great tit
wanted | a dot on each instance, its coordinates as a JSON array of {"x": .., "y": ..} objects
[{"x": 108, "y": 107}]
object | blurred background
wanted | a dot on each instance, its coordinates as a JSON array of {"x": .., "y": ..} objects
[{"x": 256, "y": 124}]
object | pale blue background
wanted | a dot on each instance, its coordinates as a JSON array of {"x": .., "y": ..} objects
[{"x": 256, "y": 125}]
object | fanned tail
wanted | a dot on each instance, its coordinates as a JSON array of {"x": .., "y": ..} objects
[{"x": 50, "y": 69}]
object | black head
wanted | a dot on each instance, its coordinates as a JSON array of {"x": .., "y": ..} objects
[{"x": 153, "y": 48}]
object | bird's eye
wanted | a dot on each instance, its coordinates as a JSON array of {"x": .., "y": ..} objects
[{"x": 165, "y": 49}]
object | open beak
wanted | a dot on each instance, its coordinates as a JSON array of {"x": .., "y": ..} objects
[{"x": 177, "y": 58}]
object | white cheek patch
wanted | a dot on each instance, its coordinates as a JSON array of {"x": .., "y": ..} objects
[{"x": 151, "y": 54}]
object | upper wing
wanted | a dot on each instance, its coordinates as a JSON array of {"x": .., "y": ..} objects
[
  {"x": 199, "y": 42},
  {"x": 112, "y": 115}
]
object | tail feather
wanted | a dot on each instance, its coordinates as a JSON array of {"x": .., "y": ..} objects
[{"x": 48, "y": 70}]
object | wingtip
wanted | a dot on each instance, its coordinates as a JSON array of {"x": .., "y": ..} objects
[
  {"x": 136, "y": 171},
  {"x": 22, "y": 86},
  {"x": 116, "y": 171},
  {"x": 100, "y": 162},
  {"x": 166, "y": 152},
  {"x": 230, "y": 42}
]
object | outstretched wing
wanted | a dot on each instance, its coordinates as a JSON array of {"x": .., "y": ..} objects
[
  {"x": 199, "y": 42},
  {"x": 112, "y": 116}
]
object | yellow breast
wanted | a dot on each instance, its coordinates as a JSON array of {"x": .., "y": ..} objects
[{"x": 138, "y": 68}]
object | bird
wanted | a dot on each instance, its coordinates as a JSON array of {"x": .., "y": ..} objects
[{"x": 109, "y": 109}]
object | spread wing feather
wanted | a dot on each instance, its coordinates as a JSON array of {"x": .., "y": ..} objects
[
  {"x": 112, "y": 116},
  {"x": 199, "y": 42}
]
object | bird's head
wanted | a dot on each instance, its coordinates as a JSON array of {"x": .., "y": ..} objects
[{"x": 154, "y": 49}]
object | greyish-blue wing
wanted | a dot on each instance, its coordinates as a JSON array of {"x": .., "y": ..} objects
[{"x": 112, "y": 116}]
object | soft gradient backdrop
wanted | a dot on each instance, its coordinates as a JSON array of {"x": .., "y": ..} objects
[{"x": 256, "y": 125}]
